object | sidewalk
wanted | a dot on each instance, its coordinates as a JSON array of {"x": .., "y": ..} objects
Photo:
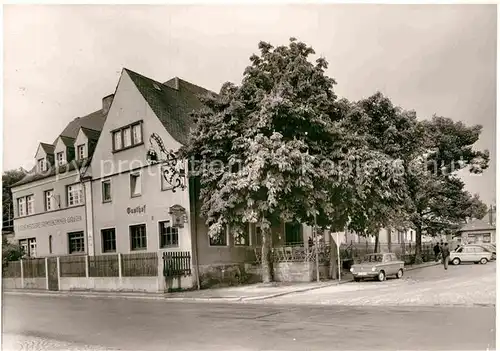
[{"x": 242, "y": 293}]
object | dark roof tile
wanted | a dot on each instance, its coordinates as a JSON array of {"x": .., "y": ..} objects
[
  {"x": 91, "y": 133},
  {"x": 48, "y": 148},
  {"x": 172, "y": 103}
]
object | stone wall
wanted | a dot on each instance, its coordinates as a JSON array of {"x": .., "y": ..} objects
[
  {"x": 292, "y": 271},
  {"x": 226, "y": 275}
]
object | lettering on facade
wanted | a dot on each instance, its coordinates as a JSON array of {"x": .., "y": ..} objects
[
  {"x": 49, "y": 223},
  {"x": 136, "y": 210}
]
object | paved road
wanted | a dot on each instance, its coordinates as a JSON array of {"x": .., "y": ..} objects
[
  {"x": 459, "y": 285},
  {"x": 74, "y": 323}
]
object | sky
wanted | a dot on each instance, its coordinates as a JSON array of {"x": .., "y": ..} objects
[{"x": 60, "y": 61}]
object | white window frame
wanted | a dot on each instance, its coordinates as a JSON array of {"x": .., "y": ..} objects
[
  {"x": 106, "y": 181},
  {"x": 21, "y": 206},
  {"x": 117, "y": 146},
  {"x": 49, "y": 199},
  {"x": 41, "y": 165},
  {"x": 60, "y": 161},
  {"x": 247, "y": 243},
  {"x": 80, "y": 155},
  {"x": 102, "y": 240},
  {"x": 136, "y": 139},
  {"x": 134, "y": 132},
  {"x": 169, "y": 222},
  {"x": 130, "y": 236},
  {"x": 138, "y": 177},
  {"x": 69, "y": 243},
  {"x": 227, "y": 239},
  {"x": 78, "y": 192}
]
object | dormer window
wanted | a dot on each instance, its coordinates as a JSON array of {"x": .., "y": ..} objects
[
  {"x": 41, "y": 165},
  {"x": 80, "y": 152},
  {"x": 60, "y": 158}
]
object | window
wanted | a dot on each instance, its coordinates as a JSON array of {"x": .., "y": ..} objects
[
  {"x": 108, "y": 240},
  {"x": 127, "y": 141},
  {"x": 243, "y": 240},
  {"x": 487, "y": 238},
  {"x": 41, "y": 165},
  {"x": 75, "y": 194},
  {"x": 76, "y": 242},
  {"x": 135, "y": 184},
  {"x": 293, "y": 233},
  {"x": 25, "y": 205},
  {"x": 169, "y": 236},
  {"x": 30, "y": 205},
  {"x": 106, "y": 191},
  {"x": 138, "y": 239},
  {"x": 219, "y": 240},
  {"x": 117, "y": 140},
  {"x": 49, "y": 200},
  {"x": 28, "y": 246},
  {"x": 60, "y": 158},
  {"x": 50, "y": 244},
  {"x": 80, "y": 152},
  {"x": 127, "y": 136},
  {"x": 21, "y": 206},
  {"x": 137, "y": 134}
]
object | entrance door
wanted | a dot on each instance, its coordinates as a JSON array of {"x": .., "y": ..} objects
[{"x": 52, "y": 272}]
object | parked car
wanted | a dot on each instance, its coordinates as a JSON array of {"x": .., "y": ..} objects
[
  {"x": 491, "y": 248},
  {"x": 470, "y": 253},
  {"x": 378, "y": 265}
]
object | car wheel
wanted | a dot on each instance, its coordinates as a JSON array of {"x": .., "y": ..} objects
[
  {"x": 456, "y": 261},
  {"x": 381, "y": 276},
  {"x": 400, "y": 273},
  {"x": 357, "y": 279},
  {"x": 483, "y": 261}
]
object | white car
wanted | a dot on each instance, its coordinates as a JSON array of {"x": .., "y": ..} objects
[{"x": 470, "y": 253}]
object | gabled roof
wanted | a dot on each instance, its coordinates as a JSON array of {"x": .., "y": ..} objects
[
  {"x": 48, "y": 148},
  {"x": 475, "y": 225},
  {"x": 172, "y": 103},
  {"x": 90, "y": 133},
  {"x": 92, "y": 122},
  {"x": 67, "y": 140}
]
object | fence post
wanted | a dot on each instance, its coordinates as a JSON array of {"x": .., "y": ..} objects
[
  {"x": 120, "y": 265},
  {"x": 59, "y": 273},
  {"x": 22, "y": 274},
  {"x": 87, "y": 266},
  {"x": 47, "y": 273},
  {"x": 161, "y": 285}
]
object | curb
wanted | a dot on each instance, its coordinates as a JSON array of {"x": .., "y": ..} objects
[
  {"x": 431, "y": 264},
  {"x": 165, "y": 297}
]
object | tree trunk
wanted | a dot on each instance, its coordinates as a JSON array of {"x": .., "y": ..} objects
[
  {"x": 418, "y": 245},
  {"x": 334, "y": 268},
  {"x": 389, "y": 239},
  {"x": 376, "y": 244},
  {"x": 267, "y": 264}
]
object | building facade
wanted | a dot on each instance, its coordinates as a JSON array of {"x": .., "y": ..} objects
[{"x": 94, "y": 191}]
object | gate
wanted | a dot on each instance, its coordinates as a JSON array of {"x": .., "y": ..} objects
[
  {"x": 176, "y": 264},
  {"x": 52, "y": 273}
]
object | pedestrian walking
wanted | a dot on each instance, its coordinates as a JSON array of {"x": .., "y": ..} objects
[
  {"x": 445, "y": 251},
  {"x": 437, "y": 250}
]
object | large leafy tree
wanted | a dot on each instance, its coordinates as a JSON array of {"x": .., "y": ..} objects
[
  {"x": 439, "y": 201},
  {"x": 278, "y": 149},
  {"x": 8, "y": 179},
  {"x": 431, "y": 152}
]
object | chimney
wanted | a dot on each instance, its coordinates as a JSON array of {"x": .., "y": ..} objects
[{"x": 106, "y": 102}]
